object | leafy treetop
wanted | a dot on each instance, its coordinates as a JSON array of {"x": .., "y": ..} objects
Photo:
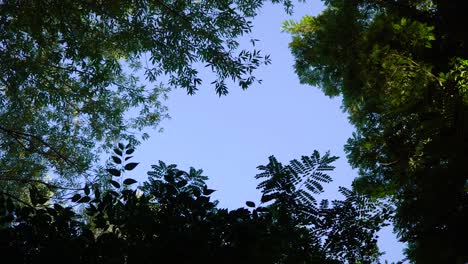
[
  {"x": 400, "y": 67},
  {"x": 70, "y": 73},
  {"x": 171, "y": 218}
]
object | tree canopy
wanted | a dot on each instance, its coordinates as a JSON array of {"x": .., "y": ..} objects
[
  {"x": 170, "y": 218},
  {"x": 70, "y": 73},
  {"x": 71, "y": 87},
  {"x": 401, "y": 69}
]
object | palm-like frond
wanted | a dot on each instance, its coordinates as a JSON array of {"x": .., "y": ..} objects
[
  {"x": 192, "y": 181},
  {"x": 295, "y": 183},
  {"x": 158, "y": 171}
]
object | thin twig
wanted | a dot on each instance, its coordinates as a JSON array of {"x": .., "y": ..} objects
[
  {"x": 27, "y": 135},
  {"x": 16, "y": 199},
  {"x": 48, "y": 185}
]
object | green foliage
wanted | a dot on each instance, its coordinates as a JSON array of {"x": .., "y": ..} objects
[
  {"x": 400, "y": 69},
  {"x": 293, "y": 186},
  {"x": 70, "y": 74},
  {"x": 347, "y": 229},
  {"x": 172, "y": 219},
  {"x": 353, "y": 224}
]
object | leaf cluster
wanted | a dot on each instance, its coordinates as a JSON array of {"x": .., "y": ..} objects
[
  {"x": 399, "y": 67},
  {"x": 172, "y": 218},
  {"x": 71, "y": 71}
]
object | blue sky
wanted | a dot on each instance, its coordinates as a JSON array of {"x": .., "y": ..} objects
[{"x": 229, "y": 137}]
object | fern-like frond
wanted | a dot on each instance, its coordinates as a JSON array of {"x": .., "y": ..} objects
[
  {"x": 324, "y": 204},
  {"x": 293, "y": 186},
  {"x": 306, "y": 198},
  {"x": 347, "y": 193},
  {"x": 321, "y": 177}
]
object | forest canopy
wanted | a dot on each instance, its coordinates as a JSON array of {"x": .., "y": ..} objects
[
  {"x": 70, "y": 73},
  {"x": 401, "y": 69},
  {"x": 78, "y": 77},
  {"x": 170, "y": 218}
]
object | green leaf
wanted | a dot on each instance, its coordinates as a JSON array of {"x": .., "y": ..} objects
[
  {"x": 169, "y": 178},
  {"x": 179, "y": 173},
  {"x": 58, "y": 207},
  {"x": 114, "y": 172},
  {"x": 86, "y": 189},
  {"x": 76, "y": 197},
  {"x": 85, "y": 199},
  {"x": 266, "y": 198},
  {"x": 129, "y": 151},
  {"x": 129, "y": 181},
  {"x": 182, "y": 183},
  {"x": 115, "y": 184},
  {"x": 130, "y": 166},
  {"x": 42, "y": 200},
  {"x": 33, "y": 195},
  {"x": 118, "y": 152},
  {"x": 116, "y": 160},
  {"x": 208, "y": 191},
  {"x": 88, "y": 76},
  {"x": 262, "y": 209},
  {"x": 250, "y": 204},
  {"x": 97, "y": 192}
]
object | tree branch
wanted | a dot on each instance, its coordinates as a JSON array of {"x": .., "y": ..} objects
[
  {"x": 28, "y": 137},
  {"x": 48, "y": 185},
  {"x": 404, "y": 9},
  {"x": 16, "y": 199}
]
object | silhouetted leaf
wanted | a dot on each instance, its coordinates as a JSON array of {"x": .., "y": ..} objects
[
  {"x": 58, "y": 207},
  {"x": 266, "y": 198},
  {"x": 129, "y": 151},
  {"x": 116, "y": 160},
  {"x": 33, "y": 195},
  {"x": 179, "y": 173},
  {"x": 76, "y": 197},
  {"x": 262, "y": 209},
  {"x": 85, "y": 199},
  {"x": 118, "y": 152},
  {"x": 114, "y": 193},
  {"x": 129, "y": 181},
  {"x": 114, "y": 172},
  {"x": 182, "y": 183},
  {"x": 130, "y": 166},
  {"x": 127, "y": 192},
  {"x": 208, "y": 191},
  {"x": 169, "y": 178},
  {"x": 97, "y": 192},
  {"x": 86, "y": 189},
  {"x": 42, "y": 200},
  {"x": 115, "y": 184},
  {"x": 250, "y": 204}
]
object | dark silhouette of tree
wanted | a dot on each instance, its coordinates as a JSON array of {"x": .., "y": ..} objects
[
  {"x": 401, "y": 67},
  {"x": 171, "y": 218}
]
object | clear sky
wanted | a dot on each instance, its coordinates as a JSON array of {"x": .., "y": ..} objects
[{"x": 229, "y": 137}]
